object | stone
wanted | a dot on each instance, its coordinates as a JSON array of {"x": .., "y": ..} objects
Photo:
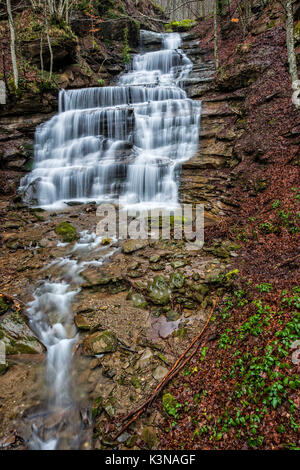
[
  {"x": 133, "y": 245},
  {"x": 178, "y": 264},
  {"x": 139, "y": 301},
  {"x": 159, "y": 291},
  {"x": 81, "y": 322},
  {"x": 145, "y": 358},
  {"x": 172, "y": 315},
  {"x": 160, "y": 373},
  {"x": 101, "y": 342},
  {"x": 154, "y": 259},
  {"x": 66, "y": 232},
  {"x": 177, "y": 280},
  {"x": 17, "y": 336}
]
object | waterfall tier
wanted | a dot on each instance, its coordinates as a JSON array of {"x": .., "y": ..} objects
[{"x": 126, "y": 141}]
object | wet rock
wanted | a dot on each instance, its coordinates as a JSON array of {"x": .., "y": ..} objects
[
  {"x": 139, "y": 301},
  {"x": 133, "y": 245},
  {"x": 101, "y": 342},
  {"x": 17, "y": 336},
  {"x": 159, "y": 373},
  {"x": 159, "y": 291},
  {"x": 66, "y": 232}
]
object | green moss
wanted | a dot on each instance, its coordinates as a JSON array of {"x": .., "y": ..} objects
[
  {"x": 297, "y": 31},
  {"x": 181, "y": 26},
  {"x": 135, "y": 382},
  {"x": 3, "y": 306},
  {"x": 271, "y": 24},
  {"x": 66, "y": 232},
  {"x": 171, "y": 405}
]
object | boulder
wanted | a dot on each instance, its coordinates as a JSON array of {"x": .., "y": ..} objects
[
  {"x": 139, "y": 301},
  {"x": 66, "y": 232},
  {"x": 159, "y": 291},
  {"x": 133, "y": 245},
  {"x": 101, "y": 342},
  {"x": 17, "y": 336}
]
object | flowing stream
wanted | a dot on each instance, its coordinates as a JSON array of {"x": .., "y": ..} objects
[{"x": 125, "y": 142}]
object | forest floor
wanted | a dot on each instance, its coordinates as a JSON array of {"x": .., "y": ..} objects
[{"x": 240, "y": 390}]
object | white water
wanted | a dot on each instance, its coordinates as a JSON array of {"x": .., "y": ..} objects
[
  {"x": 50, "y": 316},
  {"x": 126, "y": 141}
]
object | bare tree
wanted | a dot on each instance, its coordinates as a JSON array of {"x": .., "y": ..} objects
[
  {"x": 12, "y": 44},
  {"x": 290, "y": 40},
  {"x": 216, "y": 38}
]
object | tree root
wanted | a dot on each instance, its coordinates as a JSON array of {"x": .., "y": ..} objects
[{"x": 177, "y": 366}]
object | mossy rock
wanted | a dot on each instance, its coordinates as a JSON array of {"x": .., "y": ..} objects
[
  {"x": 18, "y": 337},
  {"x": 172, "y": 315},
  {"x": 177, "y": 280},
  {"x": 159, "y": 291},
  {"x": 101, "y": 342},
  {"x": 66, "y": 232},
  {"x": 82, "y": 322},
  {"x": 180, "y": 26},
  {"x": 139, "y": 301}
]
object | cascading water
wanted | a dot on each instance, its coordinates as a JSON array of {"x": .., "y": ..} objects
[
  {"x": 125, "y": 141},
  {"x": 50, "y": 316},
  {"x": 121, "y": 142}
]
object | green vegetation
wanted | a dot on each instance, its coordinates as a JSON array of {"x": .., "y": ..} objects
[
  {"x": 171, "y": 405},
  {"x": 126, "y": 49},
  {"x": 180, "y": 26},
  {"x": 66, "y": 232}
]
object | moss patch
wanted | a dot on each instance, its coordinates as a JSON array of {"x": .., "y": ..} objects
[
  {"x": 66, "y": 232},
  {"x": 180, "y": 26}
]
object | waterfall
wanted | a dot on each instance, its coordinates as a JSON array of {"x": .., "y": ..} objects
[{"x": 126, "y": 141}]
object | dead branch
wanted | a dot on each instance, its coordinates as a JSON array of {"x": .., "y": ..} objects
[{"x": 177, "y": 366}]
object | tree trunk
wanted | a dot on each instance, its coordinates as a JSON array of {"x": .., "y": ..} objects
[
  {"x": 12, "y": 44},
  {"x": 216, "y": 47},
  {"x": 290, "y": 41}
]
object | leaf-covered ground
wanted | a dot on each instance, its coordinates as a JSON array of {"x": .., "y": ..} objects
[{"x": 241, "y": 390}]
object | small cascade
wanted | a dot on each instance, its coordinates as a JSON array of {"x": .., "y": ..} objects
[
  {"x": 125, "y": 141},
  {"x": 51, "y": 318}
]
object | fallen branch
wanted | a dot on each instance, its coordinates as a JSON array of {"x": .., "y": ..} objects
[{"x": 177, "y": 366}]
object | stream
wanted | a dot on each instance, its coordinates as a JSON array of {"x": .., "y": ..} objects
[{"x": 123, "y": 143}]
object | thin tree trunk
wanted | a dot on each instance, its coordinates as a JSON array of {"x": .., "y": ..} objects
[
  {"x": 12, "y": 44},
  {"x": 290, "y": 41},
  {"x": 216, "y": 47},
  {"x": 49, "y": 42}
]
